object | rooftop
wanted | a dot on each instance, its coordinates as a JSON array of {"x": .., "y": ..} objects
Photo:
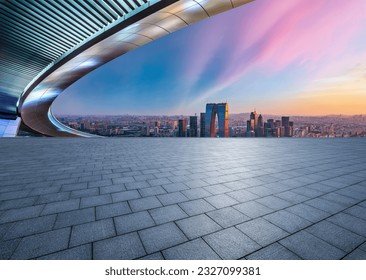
[{"x": 188, "y": 198}]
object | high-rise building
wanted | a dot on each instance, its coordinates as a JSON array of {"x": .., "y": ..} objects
[
  {"x": 202, "y": 124},
  {"x": 255, "y": 125},
  {"x": 285, "y": 121},
  {"x": 222, "y": 112},
  {"x": 254, "y": 119},
  {"x": 182, "y": 128},
  {"x": 260, "y": 127},
  {"x": 193, "y": 126},
  {"x": 288, "y": 127}
]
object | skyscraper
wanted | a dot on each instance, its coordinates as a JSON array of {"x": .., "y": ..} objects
[
  {"x": 202, "y": 124},
  {"x": 193, "y": 126},
  {"x": 288, "y": 127},
  {"x": 260, "y": 127},
  {"x": 253, "y": 125},
  {"x": 222, "y": 112},
  {"x": 182, "y": 128}
]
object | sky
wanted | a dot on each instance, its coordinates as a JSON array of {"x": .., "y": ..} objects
[{"x": 285, "y": 57}]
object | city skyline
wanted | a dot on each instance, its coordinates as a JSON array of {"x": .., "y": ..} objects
[
  {"x": 237, "y": 125},
  {"x": 301, "y": 58}
]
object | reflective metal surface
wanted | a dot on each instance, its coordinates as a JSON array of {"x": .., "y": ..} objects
[
  {"x": 147, "y": 23},
  {"x": 35, "y": 33}
]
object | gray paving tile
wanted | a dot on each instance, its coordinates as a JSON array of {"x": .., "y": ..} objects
[
  {"x": 198, "y": 226},
  {"x": 253, "y": 209},
  {"x": 35, "y": 246},
  {"x": 196, "y": 193},
  {"x": 292, "y": 197},
  {"x": 325, "y": 205},
  {"x": 274, "y": 251},
  {"x": 40, "y": 191},
  {"x": 261, "y": 191},
  {"x": 137, "y": 185},
  {"x": 167, "y": 214},
  {"x": 252, "y": 182},
  {"x": 112, "y": 210},
  {"x": 196, "y": 207},
  {"x": 143, "y": 177},
  {"x": 99, "y": 183},
  {"x": 357, "y": 211},
  {"x": 133, "y": 222},
  {"x": 155, "y": 256},
  {"x": 159, "y": 182},
  {"x": 349, "y": 222},
  {"x": 112, "y": 189},
  {"x": 61, "y": 206},
  {"x": 171, "y": 198},
  {"x": 262, "y": 232},
  {"x": 217, "y": 189},
  {"x": 30, "y": 226},
  {"x": 161, "y": 237},
  {"x": 231, "y": 244},
  {"x": 14, "y": 195},
  {"x": 20, "y": 214},
  {"x": 287, "y": 221},
  {"x": 83, "y": 252},
  {"x": 356, "y": 255},
  {"x": 53, "y": 197},
  {"x": 4, "y": 228},
  {"x": 196, "y": 184},
  {"x": 124, "y": 247},
  {"x": 357, "y": 193},
  {"x": 273, "y": 202},
  {"x": 227, "y": 217},
  {"x": 363, "y": 246},
  {"x": 336, "y": 235},
  {"x": 74, "y": 186},
  {"x": 310, "y": 193},
  {"x": 237, "y": 185},
  {"x": 7, "y": 248},
  {"x": 307, "y": 212},
  {"x": 193, "y": 250},
  {"x": 17, "y": 203},
  {"x": 175, "y": 187},
  {"x": 340, "y": 199},
  {"x": 84, "y": 193},
  {"x": 309, "y": 247},
  {"x": 144, "y": 203},
  {"x": 322, "y": 187},
  {"x": 93, "y": 231},
  {"x": 221, "y": 201},
  {"x": 125, "y": 195},
  {"x": 151, "y": 191},
  {"x": 95, "y": 200},
  {"x": 363, "y": 204},
  {"x": 75, "y": 217},
  {"x": 242, "y": 195}
]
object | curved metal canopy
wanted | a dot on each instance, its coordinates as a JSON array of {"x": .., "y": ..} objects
[{"x": 48, "y": 45}]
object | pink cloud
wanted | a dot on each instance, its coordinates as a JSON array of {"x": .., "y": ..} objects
[{"x": 277, "y": 34}]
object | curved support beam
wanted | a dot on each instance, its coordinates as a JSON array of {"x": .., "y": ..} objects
[{"x": 154, "y": 20}]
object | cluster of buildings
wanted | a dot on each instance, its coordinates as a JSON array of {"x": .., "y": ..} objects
[{"x": 257, "y": 127}]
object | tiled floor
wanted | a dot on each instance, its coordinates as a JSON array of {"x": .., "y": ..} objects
[{"x": 182, "y": 198}]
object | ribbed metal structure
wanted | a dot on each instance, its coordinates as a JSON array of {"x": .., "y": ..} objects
[{"x": 34, "y": 33}]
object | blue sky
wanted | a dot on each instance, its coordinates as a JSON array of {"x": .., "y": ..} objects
[{"x": 280, "y": 57}]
